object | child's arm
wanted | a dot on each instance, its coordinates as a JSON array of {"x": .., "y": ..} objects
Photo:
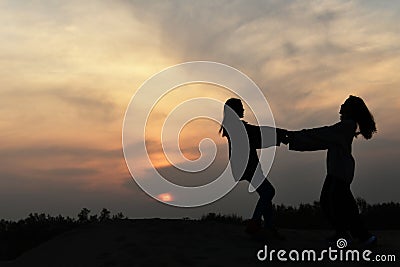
[{"x": 264, "y": 136}]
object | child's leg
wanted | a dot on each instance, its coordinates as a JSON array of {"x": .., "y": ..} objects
[{"x": 264, "y": 205}]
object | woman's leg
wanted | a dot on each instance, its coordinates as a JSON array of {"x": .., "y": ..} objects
[
  {"x": 329, "y": 201},
  {"x": 341, "y": 210},
  {"x": 326, "y": 199},
  {"x": 346, "y": 214}
]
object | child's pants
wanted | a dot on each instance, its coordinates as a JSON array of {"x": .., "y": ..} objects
[{"x": 264, "y": 205}]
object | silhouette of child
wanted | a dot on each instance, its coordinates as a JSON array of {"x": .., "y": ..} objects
[
  {"x": 244, "y": 139},
  {"x": 337, "y": 201}
]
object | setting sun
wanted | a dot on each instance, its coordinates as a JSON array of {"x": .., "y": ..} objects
[{"x": 165, "y": 197}]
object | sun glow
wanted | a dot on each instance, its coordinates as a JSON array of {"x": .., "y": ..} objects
[{"x": 165, "y": 197}]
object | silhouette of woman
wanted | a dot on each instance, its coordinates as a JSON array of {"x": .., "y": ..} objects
[
  {"x": 238, "y": 132},
  {"x": 337, "y": 201}
]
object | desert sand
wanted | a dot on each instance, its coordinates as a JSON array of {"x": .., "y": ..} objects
[{"x": 170, "y": 242}]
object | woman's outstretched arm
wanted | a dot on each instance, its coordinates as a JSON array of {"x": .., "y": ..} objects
[{"x": 321, "y": 138}]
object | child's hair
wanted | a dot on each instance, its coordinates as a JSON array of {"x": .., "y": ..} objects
[
  {"x": 234, "y": 104},
  {"x": 359, "y": 112}
]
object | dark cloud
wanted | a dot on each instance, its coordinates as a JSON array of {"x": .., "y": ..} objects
[
  {"x": 66, "y": 172},
  {"x": 57, "y": 103},
  {"x": 328, "y": 17},
  {"x": 46, "y": 151},
  {"x": 88, "y": 103},
  {"x": 290, "y": 49},
  {"x": 206, "y": 29}
]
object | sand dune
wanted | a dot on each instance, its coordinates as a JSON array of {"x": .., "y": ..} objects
[{"x": 162, "y": 242}]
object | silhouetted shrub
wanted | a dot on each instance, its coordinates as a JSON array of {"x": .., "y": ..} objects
[
  {"x": 104, "y": 215},
  {"x": 93, "y": 218},
  {"x": 230, "y": 218},
  {"x": 119, "y": 216},
  {"x": 305, "y": 216},
  {"x": 83, "y": 215},
  {"x": 382, "y": 216}
]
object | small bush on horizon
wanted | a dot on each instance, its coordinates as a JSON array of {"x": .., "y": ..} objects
[{"x": 224, "y": 218}]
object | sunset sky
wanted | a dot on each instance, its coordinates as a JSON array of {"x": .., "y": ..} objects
[{"x": 69, "y": 69}]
